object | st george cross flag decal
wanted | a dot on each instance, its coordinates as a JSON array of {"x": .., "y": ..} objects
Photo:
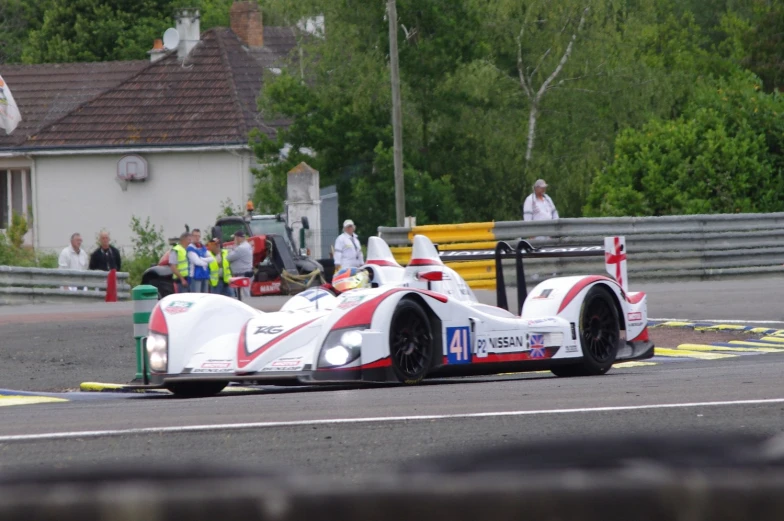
[
  {"x": 9, "y": 112},
  {"x": 615, "y": 259}
]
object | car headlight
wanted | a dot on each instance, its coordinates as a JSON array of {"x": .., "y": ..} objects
[
  {"x": 341, "y": 347},
  {"x": 158, "y": 352}
]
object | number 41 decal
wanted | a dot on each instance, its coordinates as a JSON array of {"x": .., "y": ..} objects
[{"x": 457, "y": 339}]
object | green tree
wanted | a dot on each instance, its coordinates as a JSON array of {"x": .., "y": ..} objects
[
  {"x": 764, "y": 44},
  {"x": 101, "y": 30},
  {"x": 17, "y": 19},
  {"x": 722, "y": 155}
]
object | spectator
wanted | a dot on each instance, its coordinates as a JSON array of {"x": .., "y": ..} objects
[
  {"x": 73, "y": 257},
  {"x": 178, "y": 261},
  {"x": 220, "y": 270},
  {"x": 106, "y": 257},
  {"x": 348, "y": 252},
  {"x": 241, "y": 259},
  {"x": 199, "y": 262},
  {"x": 538, "y": 206}
]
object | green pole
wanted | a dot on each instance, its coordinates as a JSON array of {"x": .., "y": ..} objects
[
  {"x": 302, "y": 238},
  {"x": 145, "y": 297}
]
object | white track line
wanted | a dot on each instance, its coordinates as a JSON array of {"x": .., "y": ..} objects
[
  {"x": 718, "y": 321},
  {"x": 338, "y": 421}
]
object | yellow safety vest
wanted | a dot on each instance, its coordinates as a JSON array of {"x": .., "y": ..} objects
[
  {"x": 214, "y": 269},
  {"x": 182, "y": 260}
]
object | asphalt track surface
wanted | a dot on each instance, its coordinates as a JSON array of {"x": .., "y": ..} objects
[{"x": 348, "y": 433}]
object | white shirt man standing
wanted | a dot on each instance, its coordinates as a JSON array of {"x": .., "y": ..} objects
[
  {"x": 538, "y": 206},
  {"x": 73, "y": 257},
  {"x": 348, "y": 252}
]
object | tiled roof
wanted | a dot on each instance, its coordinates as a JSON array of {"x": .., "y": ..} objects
[
  {"x": 278, "y": 43},
  {"x": 209, "y": 98},
  {"x": 45, "y": 93}
]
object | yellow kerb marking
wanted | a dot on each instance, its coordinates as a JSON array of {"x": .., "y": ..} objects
[
  {"x": 682, "y": 353},
  {"x": 757, "y": 348},
  {"x": 6, "y": 401}
]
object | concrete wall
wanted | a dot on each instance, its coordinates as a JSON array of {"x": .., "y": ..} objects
[{"x": 79, "y": 193}]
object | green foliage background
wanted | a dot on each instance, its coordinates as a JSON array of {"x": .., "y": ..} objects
[{"x": 658, "y": 106}]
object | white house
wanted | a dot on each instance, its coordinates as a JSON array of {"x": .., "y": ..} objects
[{"x": 165, "y": 138}]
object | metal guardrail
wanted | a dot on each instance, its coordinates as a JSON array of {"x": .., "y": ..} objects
[
  {"x": 38, "y": 285},
  {"x": 670, "y": 247}
]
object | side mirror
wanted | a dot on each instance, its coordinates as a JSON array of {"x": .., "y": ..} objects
[
  {"x": 217, "y": 233},
  {"x": 305, "y": 223}
]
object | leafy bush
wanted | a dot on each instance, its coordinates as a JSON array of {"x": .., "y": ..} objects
[
  {"x": 14, "y": 253},
  {"x": 17, "y": 230},
  {"x": 228, "y": 209},
  {"x": 722, "y": 155},
  {"x": 148, "y": 247}
]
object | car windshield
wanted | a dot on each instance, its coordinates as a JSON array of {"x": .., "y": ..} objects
[
  {"x": 229, "y": 228},
  {"x": 270, "y": 226}
]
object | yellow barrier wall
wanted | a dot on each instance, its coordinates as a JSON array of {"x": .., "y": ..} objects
[
  {"x": 452, "y": 237},
  {"x": 466, "y": 232}
]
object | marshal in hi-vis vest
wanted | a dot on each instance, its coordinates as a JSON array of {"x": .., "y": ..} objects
[
  {"x": 182, "y": 261},
  {"x": 214, "y": 269}
]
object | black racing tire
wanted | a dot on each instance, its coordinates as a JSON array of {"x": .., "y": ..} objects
[
  {"x": 600, "y": 332},
  {"x": 196, "y": 389},
  {"x": 411, "y": 346}
]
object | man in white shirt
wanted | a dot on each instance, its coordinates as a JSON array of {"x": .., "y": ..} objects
[
  {"x": 538, "y": 206},
  {"x": 73, "y": 257},
  {"x": 348, "y": 252}
]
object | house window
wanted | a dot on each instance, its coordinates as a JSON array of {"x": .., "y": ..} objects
[{"x": 15, "y": 195}]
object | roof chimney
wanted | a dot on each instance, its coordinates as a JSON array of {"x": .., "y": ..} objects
[
  {"x": 157, "y": 51},
  {"x": 188, "y": 27},
  {"x": 246, "y": 23}
]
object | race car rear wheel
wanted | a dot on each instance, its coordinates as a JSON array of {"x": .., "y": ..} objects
[
  {"x": 410, "y": 342},
  {"x": 195, "y": 389},
  {"x": 599, "y": 335}
]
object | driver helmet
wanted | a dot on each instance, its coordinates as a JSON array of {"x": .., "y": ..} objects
[{"x": 350, "y": 278}]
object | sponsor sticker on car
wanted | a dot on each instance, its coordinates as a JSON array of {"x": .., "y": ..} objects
[
  {"x": 544, "y": 295},
  {"x": 542, "y": 322},
  {"x": 178, "y": 306},
  {"x": 295, "y": 363},
  {"x": 213, "y": 366},
  {"x": 223, "y": 364},
  {"x": 351, "y": 301},
  {"x": 634, "y": 316}
]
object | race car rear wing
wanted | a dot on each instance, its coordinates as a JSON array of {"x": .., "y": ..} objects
[{"x": 613, "y": 250}]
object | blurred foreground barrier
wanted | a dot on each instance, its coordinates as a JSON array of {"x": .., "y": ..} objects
[
  {"x": 40, "y": 285},
  {"x": 620, "y": 478},
  {"x": 676, "y": 247}
]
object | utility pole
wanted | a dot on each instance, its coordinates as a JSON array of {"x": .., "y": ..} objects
[{"x": 397, "y": 115}]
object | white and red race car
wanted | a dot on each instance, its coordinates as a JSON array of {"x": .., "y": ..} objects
[{"x": 412, "y": 323}]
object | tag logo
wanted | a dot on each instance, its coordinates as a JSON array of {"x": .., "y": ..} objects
[{"x": 269, "y": 330}]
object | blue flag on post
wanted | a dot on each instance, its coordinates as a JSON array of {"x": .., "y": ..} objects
[{"x": 9, "y": 112}]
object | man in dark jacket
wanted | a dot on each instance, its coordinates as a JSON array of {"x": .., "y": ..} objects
[{"x": 107, "y": 257}]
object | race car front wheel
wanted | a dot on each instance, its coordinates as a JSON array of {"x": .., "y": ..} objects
[
  {"x": 410, "y": 342},
  {"x": 599, "y": 335},
  {"x": 195, "y": 389}
]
